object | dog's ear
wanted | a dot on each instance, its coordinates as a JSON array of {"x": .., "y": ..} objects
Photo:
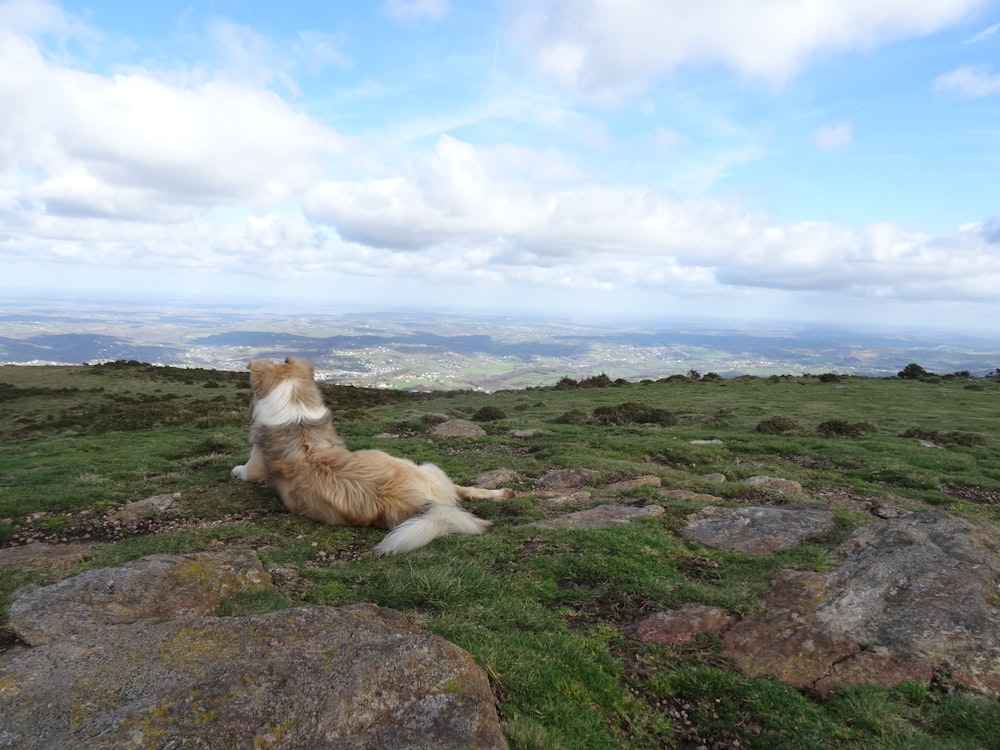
[{"x": 257, "y": 369}]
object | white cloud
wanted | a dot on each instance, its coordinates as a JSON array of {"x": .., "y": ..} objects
[
  {"x": 983, "y": 35},
  {"x": 833, "y": 136},
  {"x": 407, "y": 11},
  {"x": 461, "y": 213},
  {"x": 606, "y": 49},
  {"x": 968, "y": 81},
  {"x": 38, "y": 16},
  {"x": 135, "y": 145}
]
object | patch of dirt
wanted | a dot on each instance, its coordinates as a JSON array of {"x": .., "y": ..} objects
[
  {"x": 973, "y": 494},
  {"x": 102, "y": 529},
  {"x": 807, "y": 462},
  {"x": 641, "y": 663}
]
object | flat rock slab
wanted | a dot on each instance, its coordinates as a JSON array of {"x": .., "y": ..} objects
[
  {"x": 911, "y": 594},
  {"x": 152, "y": 587},
  {"x": 758, "y": 531},
  {"x": 457, "y": 428},
  {"x": 313, "y": 677},
  {"x": 601, "y": 517},
  {"x": 149, "y": 507},
  {"x": 678, "y": 626},
  {"x": 565, "y": 479},
  {"x": 634, "y": 483},
  {"x": 775, "y": 484},
  {"x": 41, "y": 555},
  {"x": 497, "y": 479}
]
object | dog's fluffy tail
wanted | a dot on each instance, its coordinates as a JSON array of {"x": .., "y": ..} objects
[{"x": 439, "y": 519}]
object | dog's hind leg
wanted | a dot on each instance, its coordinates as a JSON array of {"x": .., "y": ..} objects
[{"x": 478, "y": 493}]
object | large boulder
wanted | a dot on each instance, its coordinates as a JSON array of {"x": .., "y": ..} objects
[
  {"x": 910, "y": 594},
  {"x": 317, "y": 677},
  {"x": 152, "y": 587},
  {"x": 758, "y": 531}
]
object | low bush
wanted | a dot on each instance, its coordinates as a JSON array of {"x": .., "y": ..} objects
[
  {"x": 777, "y": 425},
  {"x": 843, "y": 428},
  {"x": 489, "y": 414},
  {"x": 631, "y": 412}
]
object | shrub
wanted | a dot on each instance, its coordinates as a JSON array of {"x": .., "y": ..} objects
[
  {"x": 597, "y": 381},
  {"x": 489, "y": 414},
  {"x": 955, "y": 437},
  {"x": 777, "y": 425},
  {"x": 575, "y": 416},
  {"x": 829, "y": 377},
  {"x": 913, "y": 371},
  {"x": 842, "y": 428},
  {"x": 632, "y": 413}
]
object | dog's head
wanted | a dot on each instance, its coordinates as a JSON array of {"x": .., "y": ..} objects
[
  {"x": 285, "y": 393},
  {"x": 265, "y": 374}
]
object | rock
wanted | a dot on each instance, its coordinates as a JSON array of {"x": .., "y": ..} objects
[
  {"x": 579, "y": 497},
  {"x": 601, "y": 517},
  {"x": 142, "y": 509},
  {"x": 149, "y": 588},
  {"x": 41, "y": 555},
  {"x": 877, "y": 666},
  {"x": 713, "y": 441},
  {"x": 758, "y": 531},
  {"x": 565, "y": 479},
  {"x": 646, "y": 480},
  {"x": 888, "y": 511},
  {"x": 714, "y": 478},
  {"x": 679, "y": 626},
  {"x": 497, "y": 479},
  {"x": 457, "y": 428},
  {"x": 919, "y": 591},
  {"x": 525, "y": 434},
  {"x": 317, "y": 677},
  {"x": 689, "y": 495},
  {"x": 774, "y": 484}
]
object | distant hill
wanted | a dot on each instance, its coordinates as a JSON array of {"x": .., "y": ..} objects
[
  {"x": 412, "y": 351},
  {"x": 77, "y": 348}
]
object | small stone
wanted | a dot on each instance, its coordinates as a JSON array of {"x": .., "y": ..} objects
[
  {"x": 601, "y": 517},
  {"x": 457, "y": 428}
]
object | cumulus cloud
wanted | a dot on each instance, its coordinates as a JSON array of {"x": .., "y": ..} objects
[
  {"x": 833, "y": 136},
  {"x": 489, "y": 220},
  {"x": 606, "y": 49},
  {"x": 136, "y": 168},
  {"x": 968, "y": 81},
  {"x": 136, "y": 144},
  {"x": 39, "y": 16}
]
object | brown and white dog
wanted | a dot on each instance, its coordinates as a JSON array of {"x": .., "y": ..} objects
[{"x": 297, "y": 451}]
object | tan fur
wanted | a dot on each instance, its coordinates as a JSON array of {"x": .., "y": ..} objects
[{"x": 318, "y": 477}]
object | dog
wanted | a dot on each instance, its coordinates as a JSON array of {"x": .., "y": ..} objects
[{"x": 296, "y": 450}]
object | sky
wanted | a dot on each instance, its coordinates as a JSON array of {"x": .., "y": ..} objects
[{"x": 833, "y": 160}]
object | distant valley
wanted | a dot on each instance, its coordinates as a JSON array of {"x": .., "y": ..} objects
[{"x": 425, "y": 351}]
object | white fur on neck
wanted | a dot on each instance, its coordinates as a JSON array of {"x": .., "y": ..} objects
[{"x": 279, "y": 408}]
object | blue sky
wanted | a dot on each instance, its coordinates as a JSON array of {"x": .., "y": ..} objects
[{"x": 837, "y": 160}]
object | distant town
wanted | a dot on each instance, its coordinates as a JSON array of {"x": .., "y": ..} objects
[{"x": 426, "y": 351}]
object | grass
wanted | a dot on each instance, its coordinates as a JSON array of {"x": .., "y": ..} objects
[{"x": 547, "y": 614}]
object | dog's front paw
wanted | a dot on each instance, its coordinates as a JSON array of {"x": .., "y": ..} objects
[{"x": 239, "y": 472}]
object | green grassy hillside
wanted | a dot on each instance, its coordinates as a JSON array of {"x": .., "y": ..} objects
[{"x": 546, "y": 613}]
